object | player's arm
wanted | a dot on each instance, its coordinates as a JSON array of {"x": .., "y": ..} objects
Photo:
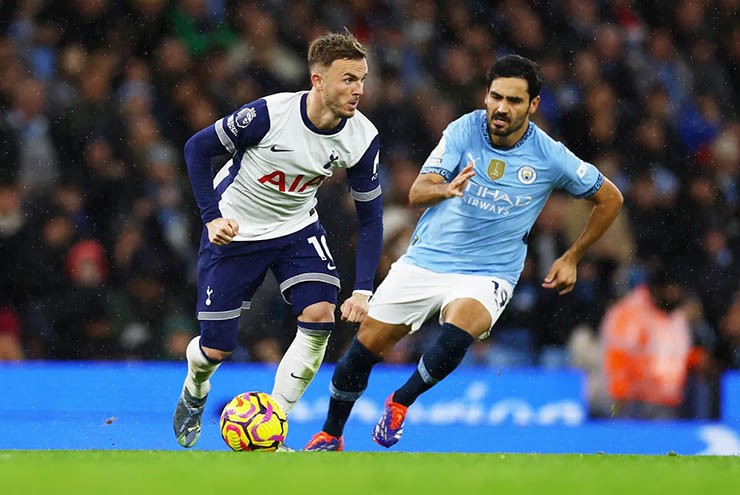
[
  {"x": 607, "y": 201},
  {"x": 437, "y": 180},
  {"x": 224, "y": 136},
  {"x": 365, "y": 190},
  {"x": 430, "y": 188},
  {"x": 200, "y": 149}
]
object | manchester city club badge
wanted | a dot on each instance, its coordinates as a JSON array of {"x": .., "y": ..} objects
[{"x": 526, "y": 174}]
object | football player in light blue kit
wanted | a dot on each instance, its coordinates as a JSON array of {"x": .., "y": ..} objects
[{"x": 484, "y": 185}]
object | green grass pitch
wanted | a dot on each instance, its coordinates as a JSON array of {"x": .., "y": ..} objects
[{"x": 357, "y": 473}]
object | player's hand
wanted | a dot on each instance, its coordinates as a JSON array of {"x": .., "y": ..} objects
[
  {"x": 562, "y": 276},
  {"x": 221, "y": 231},
  {"x": 457, "y": 185},
  {"x": 354, "y": 308}
]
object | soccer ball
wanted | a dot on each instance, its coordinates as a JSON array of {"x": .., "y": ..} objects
[{"x": 253, "y": 421}]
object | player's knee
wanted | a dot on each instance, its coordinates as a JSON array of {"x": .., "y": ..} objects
[
  {"x": 469, "y": 315},
  {"x": 215, "y": 355},
  {"x": 378, "y": 337},
  {"x": 218, "y": 338},
  {"x": 313, "y": 301},
  {"x": 318, "y": 312}
]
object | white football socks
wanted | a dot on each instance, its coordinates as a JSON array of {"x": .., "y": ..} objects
[
  {"x": 200, "y": 370},
  {"x": 298, "y": 367}
]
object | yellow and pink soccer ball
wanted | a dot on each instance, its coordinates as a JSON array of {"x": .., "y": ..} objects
[{"x": 253, "y": 421}]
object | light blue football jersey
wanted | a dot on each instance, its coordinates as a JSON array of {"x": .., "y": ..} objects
[{"x": 485, "y": 231}]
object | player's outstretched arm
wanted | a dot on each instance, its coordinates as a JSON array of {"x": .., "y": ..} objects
[
  {"x": 221, "y": 231},
  {"x": 429, "y": 189},
  {"x": 607, "y": 203}
]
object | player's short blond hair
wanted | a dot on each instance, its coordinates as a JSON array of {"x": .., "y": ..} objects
[{"x": 334, "y": 46}]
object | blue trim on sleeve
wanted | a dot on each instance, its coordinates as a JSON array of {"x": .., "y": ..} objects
[
  {"x": 448, "y": 175},
  {"x": 594, "y": 188}
]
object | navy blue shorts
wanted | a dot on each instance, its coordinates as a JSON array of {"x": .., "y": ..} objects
[{"x": 228, "y": 276}]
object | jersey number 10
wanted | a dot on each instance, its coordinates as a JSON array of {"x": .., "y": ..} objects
[{"x": 322, "y": 249}]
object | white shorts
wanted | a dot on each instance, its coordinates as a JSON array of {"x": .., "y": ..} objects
[{"x": 409, "y": 295}]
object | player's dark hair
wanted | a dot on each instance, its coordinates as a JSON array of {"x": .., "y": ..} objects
[
  {"x": 334, "y": 46},
  {"x": 518, "y": 66}
]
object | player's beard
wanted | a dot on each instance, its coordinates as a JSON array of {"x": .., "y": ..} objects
[
  {"x": 334, "y": 103},
  {"x": 506, "y": 131}
]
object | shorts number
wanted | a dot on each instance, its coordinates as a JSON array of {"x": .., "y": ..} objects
[
  {"x": 322, "y": 249},
  {"x": 500, "y": 297}
]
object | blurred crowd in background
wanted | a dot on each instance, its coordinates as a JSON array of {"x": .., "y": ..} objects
[{"x": 99, "y": 230}]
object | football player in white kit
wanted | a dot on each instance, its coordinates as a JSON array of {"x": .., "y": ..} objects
[{"x": 259, "y": 215}]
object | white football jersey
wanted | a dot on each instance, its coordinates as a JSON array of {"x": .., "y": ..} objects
[{"x": 279, "y": 159}]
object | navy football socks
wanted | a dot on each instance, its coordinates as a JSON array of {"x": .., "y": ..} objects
[
  {"x": 349, "y": 381},
  {"x": 436, "y": 363}
]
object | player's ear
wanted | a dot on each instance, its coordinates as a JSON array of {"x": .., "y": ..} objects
[
  {"x": 534, "y": 104},
  {"x": 317, "y": 81}
]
